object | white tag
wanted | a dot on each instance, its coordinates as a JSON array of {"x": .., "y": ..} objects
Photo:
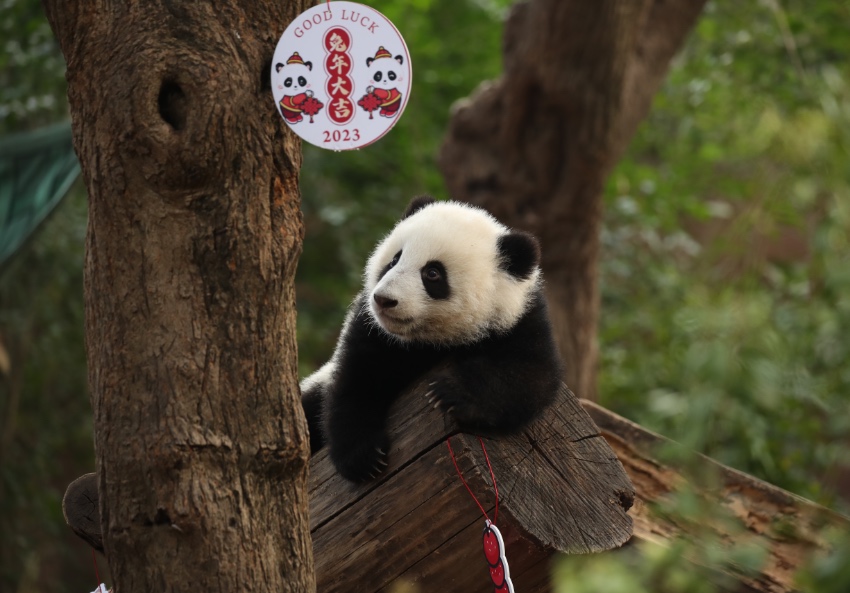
[
  {"x": 100, "y": 589},
  {"x": 341, "y": 75}
]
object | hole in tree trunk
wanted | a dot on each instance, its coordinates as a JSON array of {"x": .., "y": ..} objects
[
  {"x": 265, "y": 78},
  {"x": 172, "y": 105},
  {"x": 161, "y": 518}
]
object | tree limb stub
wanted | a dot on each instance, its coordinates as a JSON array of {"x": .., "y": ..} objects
[{"x": 80, "y": 506}]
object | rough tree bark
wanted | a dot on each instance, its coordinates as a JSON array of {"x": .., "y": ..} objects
[
  {"x": 194, "y": 235},
  {"x": 536, "y": 146}
]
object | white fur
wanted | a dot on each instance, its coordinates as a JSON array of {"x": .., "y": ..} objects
[
  {"x": 323, "y": 376},
  {"x": 483, "y": 297}
]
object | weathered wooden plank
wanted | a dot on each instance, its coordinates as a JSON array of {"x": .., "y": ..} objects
[
  {"x": 561, "y": 481},
  {"x": 561, "y": 490},
  {"x": 441, "y": 570},
  {"x": 394, "y": 527},
  {"x": 413, "y": 430},
  {"x": 785, "y": 525}
]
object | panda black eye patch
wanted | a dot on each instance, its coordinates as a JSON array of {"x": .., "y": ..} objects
[
  {"x": 288, "y": 82},
  {"x": 390, "y": 265},
  {"x": 378, "y": 76},
  {"x": 434, "y": 280},
  {"x": 391, "y": 75}
]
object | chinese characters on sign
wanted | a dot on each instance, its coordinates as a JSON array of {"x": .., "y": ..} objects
[{"x": 338, "y": 66}]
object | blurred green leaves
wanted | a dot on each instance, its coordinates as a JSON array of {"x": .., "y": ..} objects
[
  {"x": 32, "y": 69},
  {"x": 45, "y": 420},
  {"x": 727, "y": 263}
]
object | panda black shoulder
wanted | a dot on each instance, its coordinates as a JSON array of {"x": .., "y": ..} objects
[{"x": 364, "y": 345}]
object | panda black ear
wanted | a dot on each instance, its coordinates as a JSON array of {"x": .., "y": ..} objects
[
  {"x": 278, "y": 67},
  {"x": 520, "y": 253},
  {"x": 417, "y": 204},
  {"x": 369, "y": 61},
  {"x": 309, "y": 66},
  {"x": 399, "y": 59}
]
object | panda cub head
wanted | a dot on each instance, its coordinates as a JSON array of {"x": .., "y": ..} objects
[{"x": 450, "y": 274}]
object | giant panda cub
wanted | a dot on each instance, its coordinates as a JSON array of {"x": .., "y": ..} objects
[{"x": 451, "y": 289}]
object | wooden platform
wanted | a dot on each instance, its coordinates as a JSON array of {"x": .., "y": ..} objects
[{"x": 561, "y": 489}]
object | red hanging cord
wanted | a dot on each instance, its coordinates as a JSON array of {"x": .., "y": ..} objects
[
  {"x": 97, "y": 576},
  {"x": 468, "y": 489}
]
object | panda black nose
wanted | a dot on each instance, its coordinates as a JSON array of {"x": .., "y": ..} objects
[{"x": 384, "y": 302}]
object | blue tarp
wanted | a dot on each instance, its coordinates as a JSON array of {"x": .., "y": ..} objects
[{"x": 37, "y": 169}]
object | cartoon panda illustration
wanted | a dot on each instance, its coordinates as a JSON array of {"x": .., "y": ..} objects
[
  {"x": 449, "y": 291},
  {"x": 293, "y": 79},
  {"x": 385, "y": 73}
]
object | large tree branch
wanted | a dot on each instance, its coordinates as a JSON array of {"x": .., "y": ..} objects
[
  {"x": 663, "y": 31},
  {"x": 536, "y": 146}
]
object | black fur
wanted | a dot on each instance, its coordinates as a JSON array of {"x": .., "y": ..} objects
[
  {"x": 520, "y": 253},
  {"x": 417, "y": 204},
  {"x": 493, "y": 387},
  {"x": 437, "y": 286},
  {"x": 389, "y": 266}
]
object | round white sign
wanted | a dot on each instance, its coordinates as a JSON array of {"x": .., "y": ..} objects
[{"x": 341, "y": 75}]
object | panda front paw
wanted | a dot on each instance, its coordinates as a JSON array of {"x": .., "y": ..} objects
[
  {"x": 362, "y": 461},
  {"x": 446, "y": 395}
]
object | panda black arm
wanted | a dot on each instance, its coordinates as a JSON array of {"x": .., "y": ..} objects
[
  {"x": 371, "y": 372},
  {"x": 498, "y": 385}
]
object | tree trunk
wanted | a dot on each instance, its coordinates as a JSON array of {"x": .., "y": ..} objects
[
  {"x": 193, "y": 239},
  {"x": 536, "y": 146}
]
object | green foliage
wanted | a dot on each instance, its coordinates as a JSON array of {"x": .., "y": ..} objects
[
  {"x": 829, "y": 573},
  {"x": 45, "y": 418},
  {"x": 31, "y": 68},
  {"x": 46, "y": 427},
  {"x": 649, "y": 568},
  {"x": 733, "y": 350},
  {"x": 719, "y": 329}
]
